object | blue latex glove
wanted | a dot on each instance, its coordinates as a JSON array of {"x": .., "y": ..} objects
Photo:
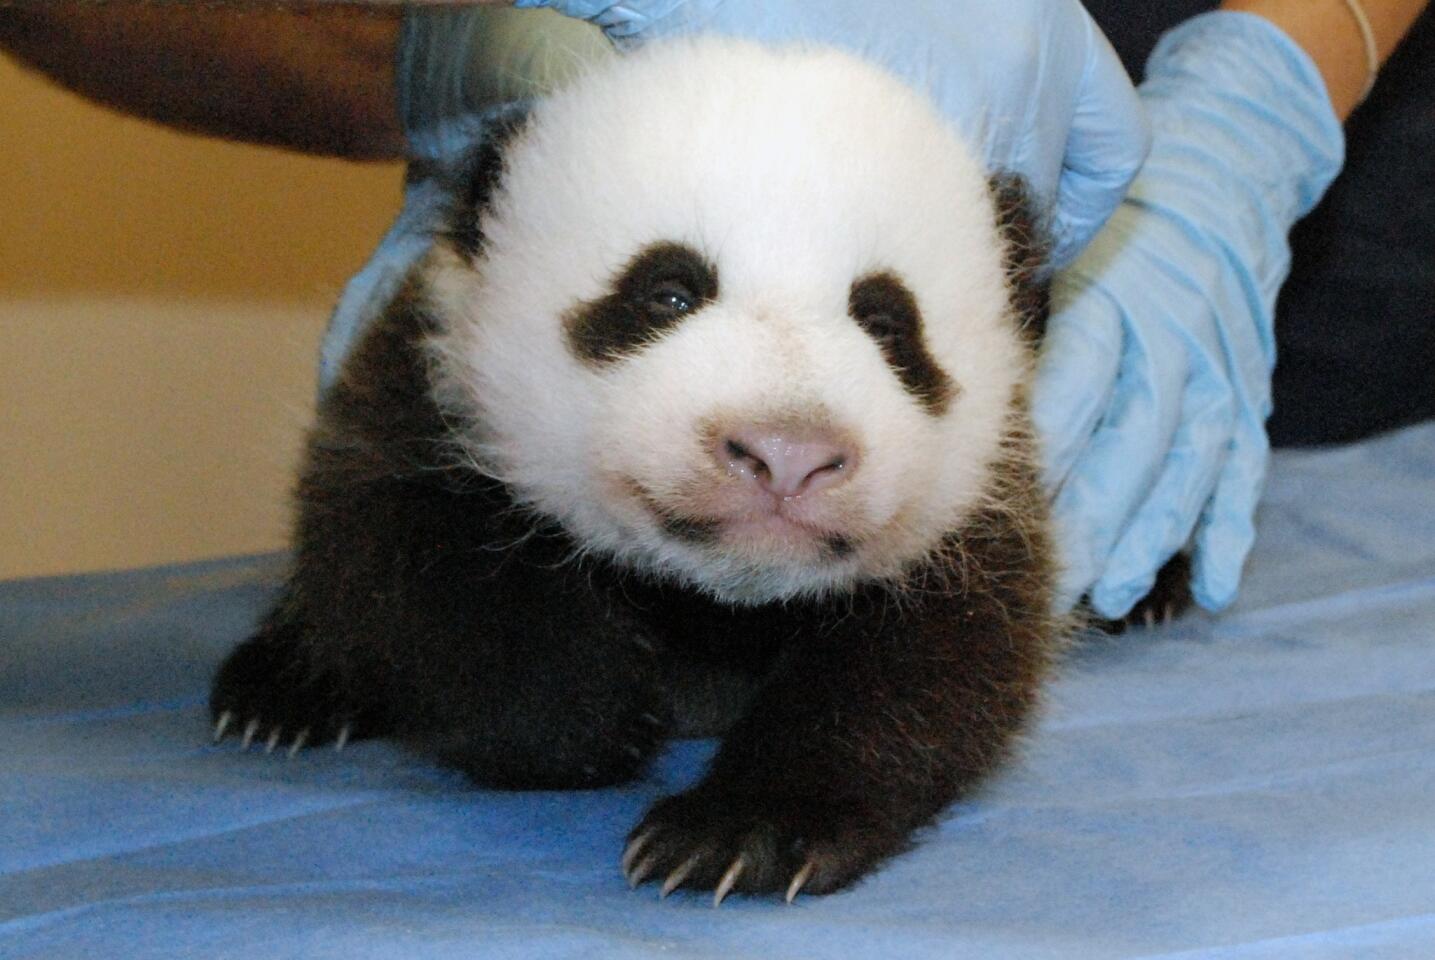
[
  {"x": 1033, "y": 83},
  {"x": 1155, "y": 381}
]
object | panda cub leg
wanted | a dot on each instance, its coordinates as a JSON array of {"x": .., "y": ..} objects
[
  {"x": 862, "y": 733},
  {"x": 586, "y": 712},
  {"x": 522, "y": 671}
]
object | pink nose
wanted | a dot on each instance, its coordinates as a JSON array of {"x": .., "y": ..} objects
[{"x": 784, "y": 462}]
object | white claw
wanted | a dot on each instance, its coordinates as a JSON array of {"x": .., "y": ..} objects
[
  {"x": 724, "y": 886},
  {"x": 1150, "y": 617},
  {"x": 273, "y": 740},
  {"x": 250, "y": 729},
  {"x": 799, "y": 880},
  {"x": 676, "y": 878},
  {"x": 641, "y": 871},
  {"x": 635, "y": 847},
  {"x": 1168, "y": 614},
  {"x": 221, "y": 725},
  {"x": 342, "y": 738},
  {"x": 299, "y": 742}
]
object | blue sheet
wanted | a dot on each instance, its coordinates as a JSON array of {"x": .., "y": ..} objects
[{"x": 1257, "y": 785}]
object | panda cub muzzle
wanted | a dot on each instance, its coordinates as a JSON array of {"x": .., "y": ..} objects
[
  {"x": 719, "y": 433},
  {"x": 775, "y": 484}
]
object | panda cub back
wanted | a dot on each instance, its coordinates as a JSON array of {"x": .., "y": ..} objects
[{"x": 706, "y": 413}]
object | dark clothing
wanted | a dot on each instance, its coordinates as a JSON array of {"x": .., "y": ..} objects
[{"x": 1355, "y": 324}]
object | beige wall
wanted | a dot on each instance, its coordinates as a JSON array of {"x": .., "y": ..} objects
[{"x": 161, "y": 298}]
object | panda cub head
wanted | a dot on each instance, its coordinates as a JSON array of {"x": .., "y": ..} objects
[{"x": 738, "y": 317}]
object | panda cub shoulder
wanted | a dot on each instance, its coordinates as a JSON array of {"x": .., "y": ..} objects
[{"x": 705, "y": 414}]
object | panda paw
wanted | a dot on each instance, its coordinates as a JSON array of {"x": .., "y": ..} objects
[
  {"x": 1170, "y": 597},
  {"x": 708, "y": 839},
  {"x": 264, "y": 694}
]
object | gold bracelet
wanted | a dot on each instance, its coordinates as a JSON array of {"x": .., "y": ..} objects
[{"x": 1372, "y": 51}]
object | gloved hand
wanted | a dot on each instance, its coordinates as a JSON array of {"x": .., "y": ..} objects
[
  {"x": 1033, "y": 83},
  {"x": 1155, "y": 379}
]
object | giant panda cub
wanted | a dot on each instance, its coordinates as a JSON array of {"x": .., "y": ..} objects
[{"x": 705, "y": 415}]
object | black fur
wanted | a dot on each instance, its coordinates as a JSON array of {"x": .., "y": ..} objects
[
  {"x": 884, "y": 307},
  {"x": 651, "y": 295}
]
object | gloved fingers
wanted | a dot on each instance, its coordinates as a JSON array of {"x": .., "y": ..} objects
[
  {"x": 629, "y": 23},
  {"x": 581, "y": 9},
  {"x": 1124, "y": 457},
  {"x": 1227, "y": 528},
  {"x": 1076, "y": 373},
  {"x": 1108, "y": 141},
  {"x": 1164, "y": 523}
]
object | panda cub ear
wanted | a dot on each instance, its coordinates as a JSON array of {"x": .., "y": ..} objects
[
  {"x": 468, "y": 182},
  {"x": 1028, "y": 249}
]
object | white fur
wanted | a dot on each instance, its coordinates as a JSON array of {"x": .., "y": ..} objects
[{"x": 795, "y": 172}]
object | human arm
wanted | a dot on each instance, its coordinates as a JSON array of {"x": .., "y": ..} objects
[
  {"x": 1155, "y": 384},
  {"x": 309, "y": 78}
]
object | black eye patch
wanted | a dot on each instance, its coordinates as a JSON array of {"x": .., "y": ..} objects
[
  {"x": 884, "y": 307},
  {"x": 657, "y": 289}
]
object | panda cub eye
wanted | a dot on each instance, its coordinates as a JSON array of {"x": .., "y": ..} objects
[
  {"x": 658, "y": 288},
  {"x": 883, "y": 327},
  {"x": 672, "y": 297}
]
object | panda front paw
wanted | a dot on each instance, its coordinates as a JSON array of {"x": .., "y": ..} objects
[
  {"x": 709, "y": 839},
  {"x": 263, "y": 693},
  {"x": 1169, "y": 598}
]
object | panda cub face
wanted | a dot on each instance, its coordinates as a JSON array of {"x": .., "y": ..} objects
[{"x": 740, "y": 318}]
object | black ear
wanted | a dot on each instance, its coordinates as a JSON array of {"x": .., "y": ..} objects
[
  {"x": 469, "y": 182},
  {"x": 1028, "y": 247}
]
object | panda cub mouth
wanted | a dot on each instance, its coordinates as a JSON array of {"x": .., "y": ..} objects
[{"x": 766, "y": 532}]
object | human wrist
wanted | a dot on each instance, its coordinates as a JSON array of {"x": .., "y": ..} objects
[
  {"x": 1327, "y": 31},
  {"x": 1371, "y": 44},
  {"x": 1331, "y": 33}
]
